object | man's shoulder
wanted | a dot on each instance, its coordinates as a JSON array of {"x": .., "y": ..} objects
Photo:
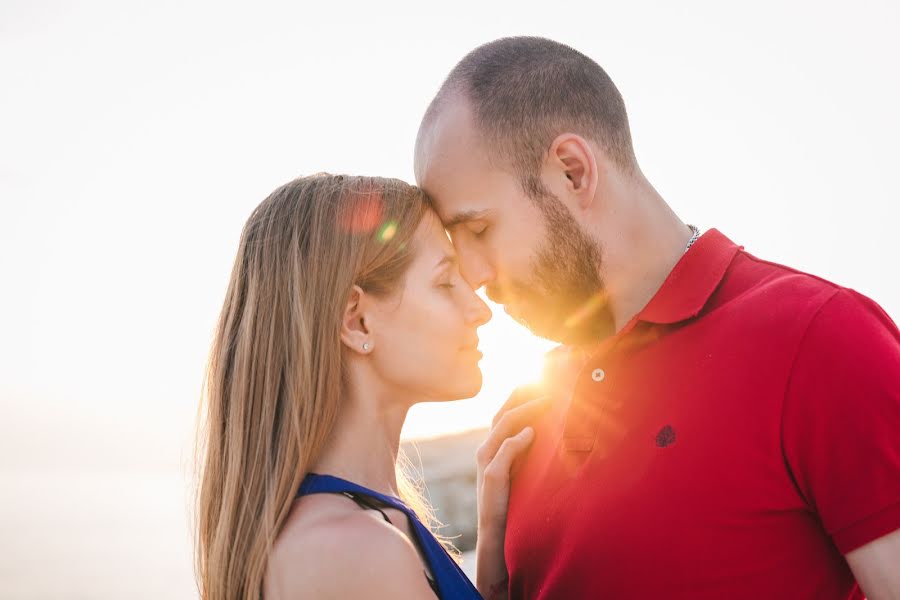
[
  {"x": 780, "y": 302},
  {"x": 762, "y": 279}
]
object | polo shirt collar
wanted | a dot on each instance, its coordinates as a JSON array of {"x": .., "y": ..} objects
[
  {"x": 692, "y": 281},
  {"x": 682, "y": 296}
]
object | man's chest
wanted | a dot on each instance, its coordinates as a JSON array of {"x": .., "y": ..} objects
[{"x": 665, "y": 472}]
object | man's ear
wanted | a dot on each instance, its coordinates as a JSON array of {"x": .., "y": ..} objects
[
  {"x": 572, "y": 157},
  {"x": 355, "y": 333}
]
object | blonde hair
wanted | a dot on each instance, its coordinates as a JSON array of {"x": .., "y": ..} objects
[{"x": 277, "y": 372}]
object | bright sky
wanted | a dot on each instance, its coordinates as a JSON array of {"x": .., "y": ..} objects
[{"x": 135, "y": 139}]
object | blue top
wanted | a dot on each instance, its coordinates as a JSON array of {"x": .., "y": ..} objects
[{"x": 449, "y": 580}]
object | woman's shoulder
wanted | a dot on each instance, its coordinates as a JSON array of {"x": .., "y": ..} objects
[{"x": 332, "y": 548}]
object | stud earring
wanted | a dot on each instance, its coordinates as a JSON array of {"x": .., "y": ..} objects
[{"x": 366, "y": 346}]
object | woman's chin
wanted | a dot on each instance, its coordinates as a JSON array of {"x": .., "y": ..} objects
[{"x": 465, "y": 385}]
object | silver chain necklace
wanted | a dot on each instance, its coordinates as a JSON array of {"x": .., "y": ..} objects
[{"x": 694, "y": 237}]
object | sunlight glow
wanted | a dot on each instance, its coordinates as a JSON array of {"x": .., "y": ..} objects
[
  {"x": 587, "y": 309},
  {"x": 512, "y": 357}
]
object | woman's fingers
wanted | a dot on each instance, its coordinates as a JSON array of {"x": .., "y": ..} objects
[
  {"x": 494, "y": 482},
  {"x": 498, "y": 469},
  {"x": 520, "y": 395},
  {"x": 510, "y": 436},
  {"x": 510, "y": 424}
]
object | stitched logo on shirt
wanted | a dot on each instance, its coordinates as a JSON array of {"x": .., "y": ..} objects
[{"x": 665, "y": 437}]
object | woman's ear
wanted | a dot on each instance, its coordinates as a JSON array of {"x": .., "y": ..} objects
[{"x": 355, "y": 332}]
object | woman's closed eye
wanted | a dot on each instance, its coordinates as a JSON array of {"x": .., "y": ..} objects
[{"x": 450, "y": 279}]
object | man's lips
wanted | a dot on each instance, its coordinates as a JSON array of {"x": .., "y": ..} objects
[
  {"x": 494, "y": 295},
  {"x": 506, "y": 298}
]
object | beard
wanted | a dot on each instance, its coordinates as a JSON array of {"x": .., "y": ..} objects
[{"x": 564, "y": 298}]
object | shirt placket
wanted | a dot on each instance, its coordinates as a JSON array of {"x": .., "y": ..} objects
[{"x": 591, "y": 394}]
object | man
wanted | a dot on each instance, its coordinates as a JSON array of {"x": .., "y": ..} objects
[{"x": 732, "y": 429}]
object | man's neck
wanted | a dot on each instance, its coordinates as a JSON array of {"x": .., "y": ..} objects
[{"x": 642, "y": 254}]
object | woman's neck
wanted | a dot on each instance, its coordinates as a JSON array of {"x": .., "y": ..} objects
[{"x": 365, "y": 442}]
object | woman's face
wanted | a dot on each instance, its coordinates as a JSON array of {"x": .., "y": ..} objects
[{"x": 425, "y": 338}]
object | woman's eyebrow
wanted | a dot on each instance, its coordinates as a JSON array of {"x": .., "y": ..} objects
[{"x": 448, "y": 259}]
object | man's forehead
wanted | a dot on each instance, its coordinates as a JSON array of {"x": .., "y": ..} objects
[
  {"x": 446, "y": 142},
  {"x": 447, "y": 211},
  {"x": 452, "y": 165},
  {"x": 466, "y": 194},
  {"x": 459, "y": 201}
]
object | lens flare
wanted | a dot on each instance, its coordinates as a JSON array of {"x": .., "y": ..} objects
[
  {"x": 387, "y": 231},
  {"x": 593, "y": 304},
  {"x": 363, "y": 215}
]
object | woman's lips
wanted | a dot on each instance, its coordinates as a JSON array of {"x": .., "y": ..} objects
[{"x": 472, "y": 348}]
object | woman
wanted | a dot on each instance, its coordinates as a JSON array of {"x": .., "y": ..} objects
[{"x": 345, "y": 308}]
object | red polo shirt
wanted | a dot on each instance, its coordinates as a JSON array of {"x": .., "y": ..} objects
[{"x": 734, "y": 440}]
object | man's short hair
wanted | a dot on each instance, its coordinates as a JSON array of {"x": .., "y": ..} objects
[{"x": 525, "y": 91}]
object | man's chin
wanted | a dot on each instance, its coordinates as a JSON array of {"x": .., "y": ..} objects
[
  {"x": 516, "y": 315},
  {"x": 544, "y": 328},
  {"x": 554, "y": 325},
  {"x": 558, "y": 329}
]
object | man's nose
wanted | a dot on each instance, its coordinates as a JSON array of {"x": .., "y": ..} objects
[
  {"x": 477, "y": 271},
  {"x": 478, "y": 312}
]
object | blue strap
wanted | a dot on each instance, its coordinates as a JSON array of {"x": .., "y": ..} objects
[{"x": 450, "y": 579}]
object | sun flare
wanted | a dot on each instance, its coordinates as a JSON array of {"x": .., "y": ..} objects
[{"x": 512, "y": 357}]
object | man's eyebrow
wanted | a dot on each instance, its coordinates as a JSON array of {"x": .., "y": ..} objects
[{"x": 464, "y": 217}]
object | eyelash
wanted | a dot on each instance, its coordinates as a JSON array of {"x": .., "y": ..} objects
[{"x": 480, "y": 234}]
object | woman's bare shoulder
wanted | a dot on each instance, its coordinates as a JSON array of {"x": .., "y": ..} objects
[{"x": 333, "y": 549}]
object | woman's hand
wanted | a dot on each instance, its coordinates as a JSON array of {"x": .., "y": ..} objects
[{"x": 512, "y": 432}]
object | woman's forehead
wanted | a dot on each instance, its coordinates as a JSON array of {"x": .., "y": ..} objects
[{"x": 431, "y": 239}]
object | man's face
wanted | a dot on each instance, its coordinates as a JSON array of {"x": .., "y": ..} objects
[{"x": 532, "y": 256}]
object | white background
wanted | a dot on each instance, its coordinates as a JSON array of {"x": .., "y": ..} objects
[{"x": 135, "y": 139}]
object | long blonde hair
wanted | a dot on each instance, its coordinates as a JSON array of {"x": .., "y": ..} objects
[{"x": 276, "y": 372}]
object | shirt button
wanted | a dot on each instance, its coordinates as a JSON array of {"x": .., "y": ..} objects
[{"x": 598, "y": 375}]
